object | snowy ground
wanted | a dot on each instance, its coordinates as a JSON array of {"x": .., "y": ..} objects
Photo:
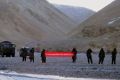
[
  {"x": 7, "y": 75},
  {"x": 59, "y": 67}
]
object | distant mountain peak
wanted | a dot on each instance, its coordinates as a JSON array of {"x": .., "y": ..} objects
[{"x": 78, "y": 14}]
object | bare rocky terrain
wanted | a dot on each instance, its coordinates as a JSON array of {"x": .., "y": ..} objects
[
  {"x": 29, "y": 21},
  {"x": 100, "y": 30}
]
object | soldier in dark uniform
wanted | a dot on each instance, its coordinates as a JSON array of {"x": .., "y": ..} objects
[
  {"x": 101, "y": 56},
  {"x": 114, "y": 53},
  {"x": 43, "y": 56},
  {"x": 74, "y": 57},
  {"x": 89, "y": 56},
  {"x": 24, "y": 54},
  {"x": 31, "y": 55}
]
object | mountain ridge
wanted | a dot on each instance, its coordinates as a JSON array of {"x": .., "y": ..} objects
[{"x": 24, "y": 21}]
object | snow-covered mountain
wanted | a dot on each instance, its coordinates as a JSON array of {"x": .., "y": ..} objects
[
  {"x": 78, "y": 14},
  {"x": 102, "y": 29}
]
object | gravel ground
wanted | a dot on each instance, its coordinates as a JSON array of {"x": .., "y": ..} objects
[{"x": 64, "y": 66}]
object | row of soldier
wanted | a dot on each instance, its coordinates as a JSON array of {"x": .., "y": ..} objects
[
  {"x": 101, "y": 56},
  {"x": 89, "y": 52}
]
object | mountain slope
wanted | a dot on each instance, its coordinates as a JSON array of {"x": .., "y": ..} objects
[
  {"x": 109, "y": 16},
  {"x": 102, "y": 29},
  {"x": 78, "y": 14},
  {"x": 31, "y": 20}
]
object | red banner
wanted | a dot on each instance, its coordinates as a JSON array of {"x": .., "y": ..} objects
[{"x": 58, "y": 54}]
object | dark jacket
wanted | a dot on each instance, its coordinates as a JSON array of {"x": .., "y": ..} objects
[
  {"x": 74, "y": 52},
  {"x": 89, "y": 51},
  {"x": 43, "y": 54},
  {"x": 102, "y": 53},
  {"x": 31, "y": 55},
  {"x": 114, "y": 53}
]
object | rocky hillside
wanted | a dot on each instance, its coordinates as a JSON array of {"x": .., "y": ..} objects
[
  {"x": 24, "y": 21},
  {"x": 102, "y": 29}
]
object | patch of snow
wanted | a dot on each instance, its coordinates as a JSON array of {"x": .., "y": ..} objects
[
  {"x": 17, "y": 76},
  {"x": 2, "y": 77},
  {"x": 113, "y": 20}
]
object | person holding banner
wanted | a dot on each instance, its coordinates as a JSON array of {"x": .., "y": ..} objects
[
  {"x": 74, "y": 57},
  {"x": 43, "y": 56}
]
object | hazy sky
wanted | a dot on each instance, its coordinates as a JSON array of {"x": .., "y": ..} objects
[{"x": 94, "y": 5}]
